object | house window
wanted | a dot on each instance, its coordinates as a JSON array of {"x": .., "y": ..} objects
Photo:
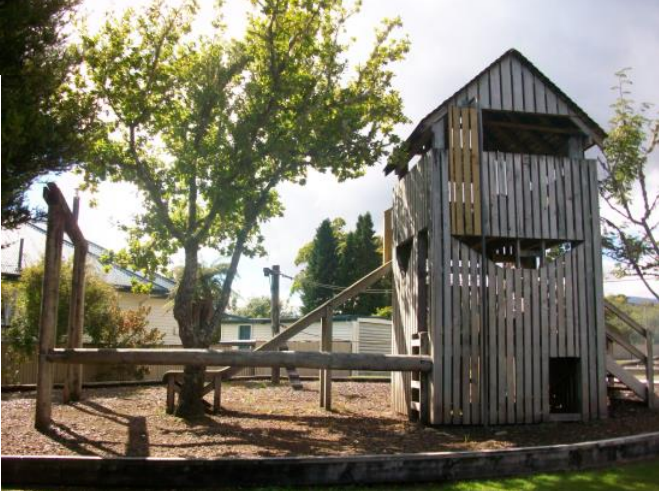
[{"x": 244, "y": 333}]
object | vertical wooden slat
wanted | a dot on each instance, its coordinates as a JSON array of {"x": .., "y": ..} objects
[
  {"x": 544, "y": 341},
  {"x": 467, "y": 174},
  {"x": 518, "y": 85},
  {"x": 447, "y": 294},
  {"x": 518, "y": 178},
  {"x": 493, "y": 354},
  {"x": 510, "y": 347},
  {"x": 501, "y": 341},
  {"x": 519, "y": 347},
  {"x": 489, "y": 160},
  {"x": 540, "y": 100},
  {"x": 552, "y": 103},
  {"x": 456, "y": 353},
  {"x": 551, "y": 305},
  {"x": 475, "y": 331},
  {"x": 561, "y": 214},
  {"x": 529, "y": 95},
  {"x": 552, "y": 187},
  {"x": 544, "y": 205},
  {"x": 48, "y": 318},
  {"x": 458, "y": 225},
  {"x": 527, "y": 179},
  {"x": 465, "y": 333},
  {"x": 484, "y": 90},
  {"x": 560, "y": 306},
  {"x": 475, "y": 169},
  {"x": 510, "y": 186},
  {"x": 569, "y": 305},
  {"x": 537, "y": 354},
  {"x": 535, "y": 196},
  {"x": 528, "y": 347},
  {"x": 506, "y": 85},
  {"x": 495, "y": 87},
  {"x": 326, "y": 375},
  {"x": 569, "y": 199}
]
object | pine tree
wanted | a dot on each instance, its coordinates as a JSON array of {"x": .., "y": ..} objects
[
  {"x": 322, "y": 268},
  {"x": 361, "y": 256}
]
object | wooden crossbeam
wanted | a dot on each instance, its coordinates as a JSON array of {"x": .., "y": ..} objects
[{"x": 209, "y": 357}]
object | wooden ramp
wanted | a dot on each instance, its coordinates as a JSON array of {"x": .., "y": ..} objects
[
  {"x": 621, "y": 372},
  {"x": 317, "y": 314}
]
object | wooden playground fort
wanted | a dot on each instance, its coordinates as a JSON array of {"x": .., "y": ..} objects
[{"x": 494, "y": 244}]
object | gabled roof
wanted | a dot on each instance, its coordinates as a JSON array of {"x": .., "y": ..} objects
[
  {"x": 34, "y": 236},
  {"x": 420, "y": 134}
]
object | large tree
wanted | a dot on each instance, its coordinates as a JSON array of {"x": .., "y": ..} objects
[
  {"x": 207, "y": 127},
  {"x": 43, "y": 122},
  {"x": 630, "y": 189}
]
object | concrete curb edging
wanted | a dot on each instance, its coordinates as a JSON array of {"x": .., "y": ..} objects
[{"x": 365, "y": 469}]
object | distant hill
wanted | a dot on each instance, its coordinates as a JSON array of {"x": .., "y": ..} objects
[{"x": 641, "y": 300}]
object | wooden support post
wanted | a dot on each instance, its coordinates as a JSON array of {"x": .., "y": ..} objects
[
  {"x": 171, "y": 394},
  {"x": 274, "y": 314},
  {"x": 649, "y": 369},
  {"x": 388, "y": 236},
  {"x": 326, "y": 374},
  {"x": 217, "y": 393},
  {"x": 73, "y": 383},
  {"x": 48, "y": 319}
]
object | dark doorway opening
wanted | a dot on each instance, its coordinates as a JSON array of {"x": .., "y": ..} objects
[{"x": 564, "y": 386}]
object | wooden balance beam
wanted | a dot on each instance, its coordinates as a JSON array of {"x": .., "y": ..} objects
[{"x": 210, "y": 357}]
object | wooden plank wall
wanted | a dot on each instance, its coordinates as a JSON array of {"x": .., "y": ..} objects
[
  {"x": 410, "y": 215},
  {"x": 534, "y": 196},
  {"x": 510, "y": 86},
  {"x": 534, "y": 315}
]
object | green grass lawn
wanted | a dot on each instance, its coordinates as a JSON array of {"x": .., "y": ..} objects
[{"x": 632, "y": 477}]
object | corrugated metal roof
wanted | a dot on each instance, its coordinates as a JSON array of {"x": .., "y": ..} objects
[{"x": 34, "y": 239}]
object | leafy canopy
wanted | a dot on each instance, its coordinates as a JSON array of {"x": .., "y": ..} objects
[{"x": 206, "y": 127}]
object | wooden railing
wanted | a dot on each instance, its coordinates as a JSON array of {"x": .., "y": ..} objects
[{"x": 645, "y": 359}]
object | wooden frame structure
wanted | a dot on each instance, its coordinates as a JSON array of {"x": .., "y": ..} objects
[
  {"x": 497, "y": 256},
  {"x": 61, "y": 219}
]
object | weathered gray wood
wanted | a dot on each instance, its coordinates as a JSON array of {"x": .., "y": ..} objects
[
  {"x": 506, "y": 85},
  {"x": 210, "y": 357},
  {"x": 274, "y": 315},
  {"x": 495, "y": 87},
  {"x": 519, "y": 346},
  {"x": 540, "y": 99},
  {"x": 535, "y": 328},
  {"x": 560, "y": 307},
  {"x": 73, "y": 382},
  {"x": 552, "y": 304},
  {"x": 510, "y": 348},
  {"x": 326, "y": 374},
  {"x": 465, "y": 335},
  {"x": 529, "y": 95},
  {"x": 48, "y": 318},
  {"x": 528, "y": 347},
  {"x": 517, "y": 85},
  {"x": 217, "y": 394},
  {"x": 626, "y": 378}
]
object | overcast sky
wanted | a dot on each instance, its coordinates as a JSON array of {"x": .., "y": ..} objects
[{"x": 578, "y": 44}]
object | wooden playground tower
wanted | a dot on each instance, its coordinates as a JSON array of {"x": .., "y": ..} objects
[
  {"x": 497, "y": 258},
  {"x": 495, "y": 248}
]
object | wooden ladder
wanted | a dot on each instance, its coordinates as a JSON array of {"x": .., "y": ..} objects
[
  {"x": 645, "y": 358},
  {"x": 420, "y": 401},
  {"x": 293, "y": 376}
]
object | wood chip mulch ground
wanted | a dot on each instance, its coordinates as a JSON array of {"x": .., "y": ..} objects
[{"x": 260, "y": 420}]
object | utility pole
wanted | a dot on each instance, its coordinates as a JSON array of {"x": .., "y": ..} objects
[{"x": 274, "y": 312}]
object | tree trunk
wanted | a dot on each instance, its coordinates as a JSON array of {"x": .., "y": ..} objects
[{"x": 191, "y": 334}]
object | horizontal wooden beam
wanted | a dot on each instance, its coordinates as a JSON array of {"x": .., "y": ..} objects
[
  {"x": 54, "y": 197},
  {"x": 614, "y": 335},
  {"x": 209, "y": 357}
]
